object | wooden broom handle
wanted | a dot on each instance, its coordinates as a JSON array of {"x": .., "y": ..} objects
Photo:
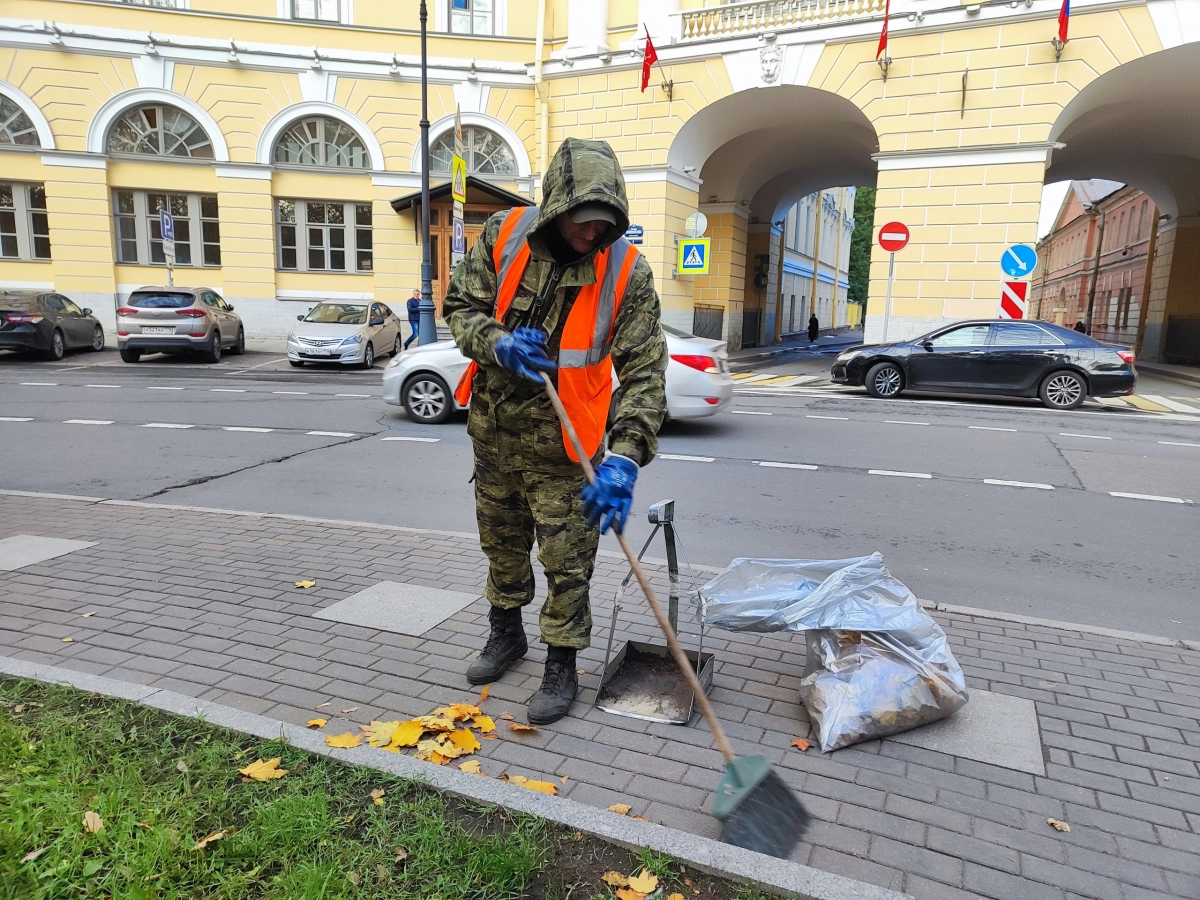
[{"x": 685, "y": 665}]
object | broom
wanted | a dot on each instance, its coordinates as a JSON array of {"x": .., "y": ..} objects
[{"x": 756, "y": 809}]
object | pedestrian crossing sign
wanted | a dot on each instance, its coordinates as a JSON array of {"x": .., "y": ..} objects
[
  {"x": 458, "y": 178},
  {"x": 693, "y": 256}
]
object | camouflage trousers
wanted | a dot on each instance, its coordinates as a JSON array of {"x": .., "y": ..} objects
[{"x": 515, "y": 508}]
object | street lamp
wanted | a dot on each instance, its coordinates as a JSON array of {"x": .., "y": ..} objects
[
  {"x": 427, "y": 330},
  {"x": 1087, "y": 319}
]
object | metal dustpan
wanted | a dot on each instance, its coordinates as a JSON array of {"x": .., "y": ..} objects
[{"x": 643, "y": 680}]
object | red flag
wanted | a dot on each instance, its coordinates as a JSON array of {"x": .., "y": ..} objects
[
  {"x": 887, "y": 10},
  {"x": 1064, "y": 16},
  {"x": 649, "y": 59}
]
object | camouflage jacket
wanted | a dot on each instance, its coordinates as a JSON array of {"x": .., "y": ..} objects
[{"x": 511, "y": 422}]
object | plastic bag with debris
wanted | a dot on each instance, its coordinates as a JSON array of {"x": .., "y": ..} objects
[{"x": 877, "y": 663}]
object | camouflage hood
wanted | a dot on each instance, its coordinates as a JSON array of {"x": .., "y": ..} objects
[{"x": 584, "y": 172}]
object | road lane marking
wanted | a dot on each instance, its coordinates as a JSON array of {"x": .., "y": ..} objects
[
  {"x": 833, "y": 418},
  {"x": 419, "y": 440},
  {"x": 1147, "y": 404},
  {"x": 14, "y": 419},
  {"x": 1091, "y": 437},
  {"x": 227, "y": 390},
  {"x": 1023, "y": 484},
  {"x": 1171, "y": 404},
  {"x": 990, "y": 428},
  {"x": 1179, "y": 444},
  {"x": 293, "y": 393},
  {"x": 779, "y": 465},
  {"x": 244, "y": 428},
  {"x": 39, "y": 384},
  {"x": 333, "y": 433},
  {"x": 1148, "y": 497},
  {"x": 901, "y": 422},
  {"x": 749, "y": 412},
  {"x": 102, "y": 385},
  {"x": 682, "y": 458},
  {"x": 164, "y": 425},
  {"x": 164, "y": 389},
  {"x": 352, "y": 395},
  {"x": 898, "y": 474},
  {"x": 87, "y": 421}
]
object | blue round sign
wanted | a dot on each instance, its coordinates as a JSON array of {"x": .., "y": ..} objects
[{"x": 1018, "y": 261}]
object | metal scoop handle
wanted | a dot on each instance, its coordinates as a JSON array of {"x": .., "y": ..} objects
[{"x": 685, "y": 665}]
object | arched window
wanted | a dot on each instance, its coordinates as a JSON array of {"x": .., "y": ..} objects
[
  {"x": 485, "y": 151},
  {"x": 15, "y": 126},
  {"x": 158, "y": 130},
  {"x": 321, "y": 141}
]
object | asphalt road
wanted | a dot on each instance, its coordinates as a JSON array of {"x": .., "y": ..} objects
[{"x": 1001, "y": 505}]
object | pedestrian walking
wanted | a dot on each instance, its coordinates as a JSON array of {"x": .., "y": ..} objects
[
  {"x": 555, "y": 290},
  {"x": 414, "y": 316},
  {"x": 813, "y": 328},
  {"x": 1080, "y": 327}
]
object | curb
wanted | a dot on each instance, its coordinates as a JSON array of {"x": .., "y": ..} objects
[
  {"x": 1170, "y": 373},
  {"x": 704, "y": 854}
]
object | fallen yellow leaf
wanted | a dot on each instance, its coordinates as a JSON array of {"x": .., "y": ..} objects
[
  {"x": 92, "y": 822},
  {"x": 800, "y": 744},
  {"x": 565, "y": 779},
  {"x": 485, "y": 724},
  {"x": 464, "y": 740},
  {"x": 1057, "y": 825},
  {"x": 401, "y": 854},
  {"x": 316, "y": 723},
  {"x": 542, "y": 787},
  {"x": 88, "y": 615},
  {"x": 621, "y": 809},
  {"x": 490, "y": 736},
  {"x": 32, "y": 855},
  {"x": 627, "y": 893},
  {"x": 380, "y": 733},
  {"x": 457, "y": 711},
  {"x": 483, "y": 695},
  {"x": 507, "y": 716},
  {"x": 471, "y": 767},
  {"x": 675, "y": 896},
  {"x": 344, "y": 741},
  {"x": 644, "y": 882},
  {"x": 306, "y": 584},
  {"x": 428, "y": 749},
  {"x": 264, "y": 771},
  {"x": 615, "y": 879},
  {"x": 350, "y": 710},
  {"x": 181, "y": 767},
  {"x": 522, "y": 728},
  {"x": 447, "y": 748},
  {"x": 377, "y": 796},
  {"x": 514, "y": 779},
  {"x": 322, "y": 705},
  {"x": 68, "y": 640},
  {"x": 436, "y": 723},
  {"x": 407, "y": 734},
  {"x": 208, "y": 839}
]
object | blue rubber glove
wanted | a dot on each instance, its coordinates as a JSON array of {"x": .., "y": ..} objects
[
  {"x": 524, "y": 352},
  {"x": 607, "y": 502}
]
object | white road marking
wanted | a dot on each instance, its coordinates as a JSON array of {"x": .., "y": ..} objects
[
  {"x": 1148, "y": 497},
  {"x": 87, "y": 421},
  {"x": 683, "y": 458},
  {"x": 39, "y": 384},
  {"x": 900, "y": 422},
  {"x": 748, "y": 412},
  {"x": 989, "y": 428},
  {"x": 14, "y": 419},
  {"x": 102, "y": 385},
  {"x": 898, "y": 474},
  {"x": 779, "y": 465},
  {"x": 164, "y": 389},
  {"x": 1179, "y": 444},
  {"x": 1171, "y": 404},
  {"x": 1024, "y": 484},
  {"x": 352, "y": 395},
  {"x": 227, "y": 390},
  {"x": 332, "y": 433},
  {"x": 243, "y": 428},
  {"x": 833, "y": 418},
  {"x": 293, "y": 393},
  {"x": 164, "y": 425},
  {"x": 1093, "y": 437},
  {"x": 420, "y": 440}
]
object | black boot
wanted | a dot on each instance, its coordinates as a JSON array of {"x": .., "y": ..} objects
[
  {"x": 505, "y": 644},
  {"x": 559, "y": 686}
]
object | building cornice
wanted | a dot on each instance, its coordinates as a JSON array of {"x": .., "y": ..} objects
[{"x": 995, "y": 155}]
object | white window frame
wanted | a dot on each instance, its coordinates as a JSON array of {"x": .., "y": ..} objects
[
  {"x": 144, "y": 226},
  {"x": 23, "y": 213},
  {"x": 286, "y": 10},
  {"x": 358, "y": 238}
]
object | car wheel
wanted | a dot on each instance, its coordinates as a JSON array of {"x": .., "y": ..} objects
[
  {"x": 98, "y": 338},
  {"x": 368, "y": 356},
  {"x": 239, "y": 346},
  {"x": 884, "y": 380},
  {"x": 397, "y": 347},
  {"x": 1063, "y": 390},
  {"x": 213, "y": 353},
  {"x": 296, "y": 363},
  {"x": 131, "y": 356},
  {"x": 427, "y": 399},
  {"x": 58, "y": 346}
]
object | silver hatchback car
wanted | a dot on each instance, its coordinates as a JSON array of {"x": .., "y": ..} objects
[{"x": 174, "y": 319}]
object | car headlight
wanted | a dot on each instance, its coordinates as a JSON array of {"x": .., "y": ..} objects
[
  {"x": 292, "y": 339},
  {"x": 353, "y": 339},
  {"x": 847, "y": 355}
]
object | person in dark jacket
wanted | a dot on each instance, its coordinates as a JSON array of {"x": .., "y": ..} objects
[
  {"x": 1080, "y": 327},
  {"x": 813, "y": 328},
  {"x": 414, "y": 316}
]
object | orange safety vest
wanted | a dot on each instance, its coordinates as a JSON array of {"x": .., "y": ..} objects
[{"x": 584, "y": 366}]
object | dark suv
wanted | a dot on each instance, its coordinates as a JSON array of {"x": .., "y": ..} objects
[{"x": 47, "y": 322}]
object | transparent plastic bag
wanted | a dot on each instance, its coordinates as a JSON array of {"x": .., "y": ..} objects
[{"x": 877, "y": 663}]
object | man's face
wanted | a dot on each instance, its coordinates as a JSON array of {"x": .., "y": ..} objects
[
  {"x": 416, "y": 295},
  {"x": 584, "y": 237}
]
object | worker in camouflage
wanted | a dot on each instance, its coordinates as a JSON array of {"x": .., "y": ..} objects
[{"x": 526, "y": 486}]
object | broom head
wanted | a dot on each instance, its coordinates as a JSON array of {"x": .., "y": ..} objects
[{"x": 757, "y": 810}]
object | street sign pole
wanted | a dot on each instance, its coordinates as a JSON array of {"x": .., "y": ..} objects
[
  {"x": 166, "y": 231},
  {"x": 458, "y": 191},
  {"x": 887, "y": 309},
  {"x": 893, "y": 237},
  {"x": 427, "y": 330}
]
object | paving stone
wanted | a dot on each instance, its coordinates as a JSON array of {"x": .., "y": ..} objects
[
  {"x": 1070, "y": 878},
  {"x": 999, "y": 885},
  {"x": 853, "y": 867},
  {"x": 908, "y": 858}
]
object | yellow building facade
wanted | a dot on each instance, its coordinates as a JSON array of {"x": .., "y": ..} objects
[{"x": 281, "y": 130}]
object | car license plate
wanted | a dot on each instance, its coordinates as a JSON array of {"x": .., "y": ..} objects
[
  {"x": 319, "y": 351},
  {"x": 166, "y": 329}
]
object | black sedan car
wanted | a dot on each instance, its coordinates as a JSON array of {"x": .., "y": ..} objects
[
  {"x": 1002, "y": 356},
  {"x": 47, "y": 322}
]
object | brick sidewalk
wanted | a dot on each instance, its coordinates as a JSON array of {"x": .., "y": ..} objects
[{"x": 203, "y": 603}]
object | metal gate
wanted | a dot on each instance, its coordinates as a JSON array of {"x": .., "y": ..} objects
[
  {"x": 1183, "y": 340},
  {"x": 750, "y": 324},
  {"x": 707, "y": 321}
]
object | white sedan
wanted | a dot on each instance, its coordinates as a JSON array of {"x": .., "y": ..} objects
[{"x": 422, "y": 379}]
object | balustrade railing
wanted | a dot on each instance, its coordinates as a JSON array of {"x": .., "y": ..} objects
[{"x": 734, "y": 19}]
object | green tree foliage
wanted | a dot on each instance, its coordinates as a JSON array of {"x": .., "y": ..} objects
[{"x": 860, "y": 244}]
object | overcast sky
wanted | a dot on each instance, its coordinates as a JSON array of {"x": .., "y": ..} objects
[{"x": 1052, "y": 198}]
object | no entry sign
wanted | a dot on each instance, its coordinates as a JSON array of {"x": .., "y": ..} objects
[{"x": 893, "y": 236}]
